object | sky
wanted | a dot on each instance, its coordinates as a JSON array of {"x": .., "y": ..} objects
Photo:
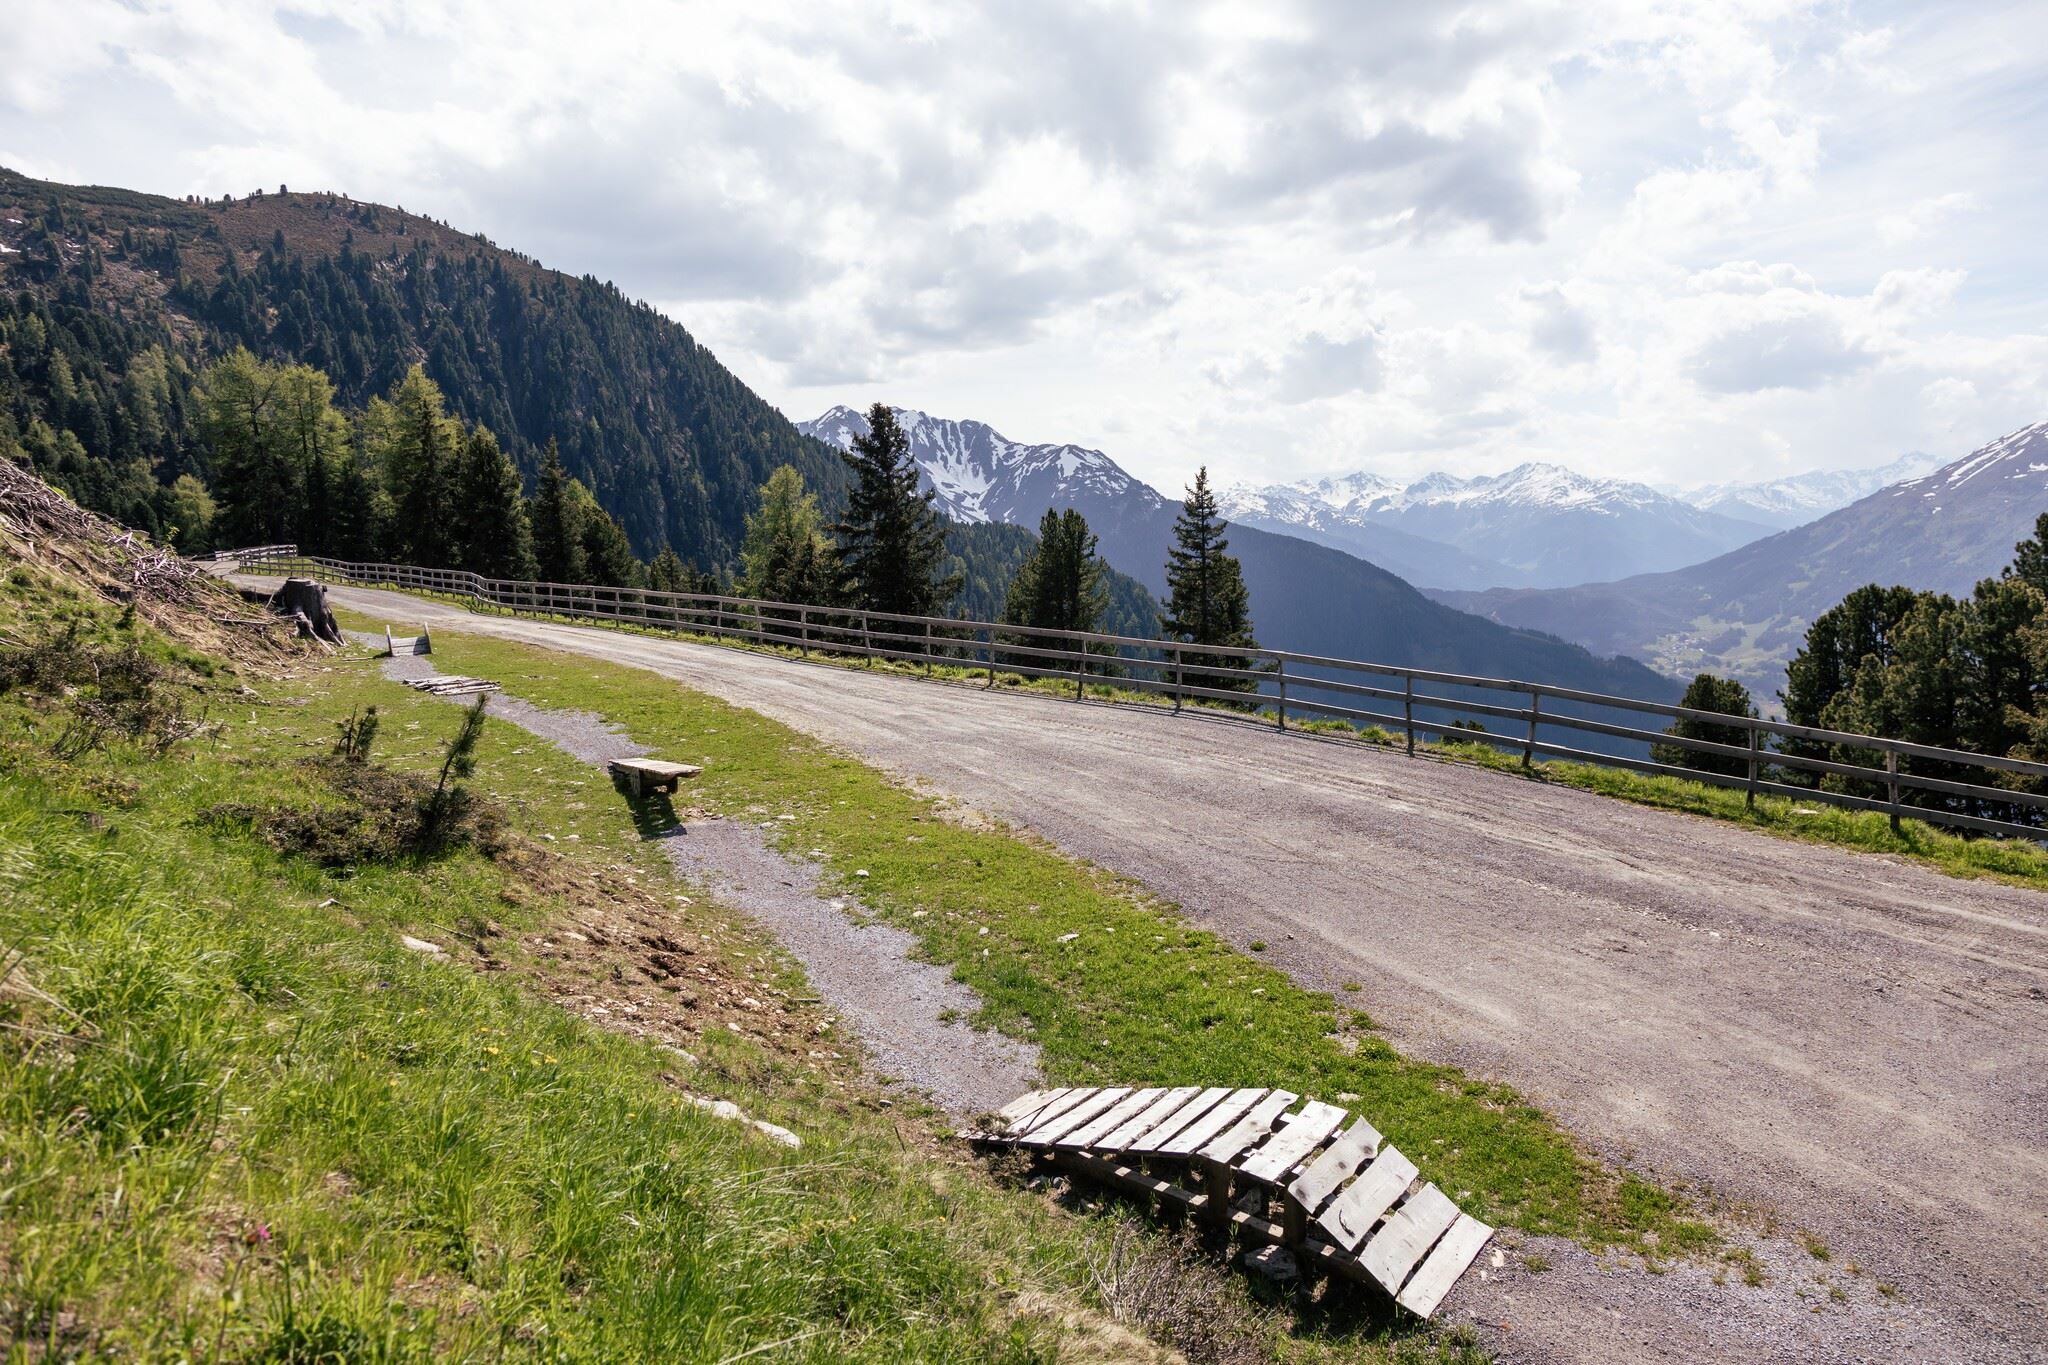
[{"x": 1668, "y": 241}]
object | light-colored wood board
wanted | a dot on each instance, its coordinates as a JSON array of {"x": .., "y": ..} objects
[
  {"x": 1336, "y": 1164},
  {"x": 1288, "y": 1148},
  {"x": 1051, "y": 1110},
  {"x": 1257, "y": 1122},
  {"x": 1352, "y": 1213},
  {"x": 1159, "y": 1134},
  {"x": 1053, "y": 1129},
  {"x": 1446, "y": 1261},
  {"x": 1407, "y": 1236},
  {"x": 1227, "y": 1111},
  {"x": 1132, "y": 1128},
  {"x": 1091, "y": 1133},
  {"x": 1028, "y": 1103}
]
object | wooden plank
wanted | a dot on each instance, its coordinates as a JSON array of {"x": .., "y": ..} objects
[
  {"x": 1257, "y": 1122},
  {"x": 1029, "y": 1102},
  {"x": 1338, "y": 1163},
  {"x": 1152, "y": 1114},
  {"x": 1459, "y": 1247},
  {"x": 1352, "y": 1214},
  {"x": 1051, "y": 1130},
  {"x": 1210, "y": 1124},
  {"x": 1052, "y": 1109},
  {"x": 1153, "y": 1138},
  {"x": 1091, "y": 1133},
  {"x": 1288, "y": 1148},
  {"x": 1407, "y": 1236}
]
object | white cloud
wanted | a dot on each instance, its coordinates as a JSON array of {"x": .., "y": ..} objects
[{"x": 1625, "y": 234}]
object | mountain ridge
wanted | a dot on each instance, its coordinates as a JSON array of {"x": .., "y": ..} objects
[
  {"x": 1306, "y": 597},
  {"x": 1745, "y": 613},
  {"x": 1536, "y": 525}
]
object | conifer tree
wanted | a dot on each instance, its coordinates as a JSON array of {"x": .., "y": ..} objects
[
  {"x": 1724, "y": 696},
  {"x": 607, "y": 553},
  {"x": 362, "y": 509},
  {"x": 257, "y": 481},
  {"x": 490, "y": 533},
  {"x": 891, "y": 546},
  {"x": 667, "y": 573},
  {"x": 1060, "y": 585},
  {"x": 784, "y": 557},
  {"x": 556, "y": 520},
  {"x": 1207, "y": 602},
  {"x": 419, "y": 465}
]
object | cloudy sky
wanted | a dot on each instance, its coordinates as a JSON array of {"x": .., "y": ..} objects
[{"x": 1672, "y": 241}]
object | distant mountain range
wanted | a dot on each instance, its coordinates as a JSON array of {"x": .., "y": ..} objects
[
  {"x": 1784, "y": 503},
  {"x": 1305, "y": 597},
  {"x": 1537, "y": 525},
  {"x": 1745, "y": 613}
]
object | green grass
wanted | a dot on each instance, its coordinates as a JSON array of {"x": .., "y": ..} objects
[
  {"x": 1137, "y": 996},
  {"x": 239, "y": 1120}
]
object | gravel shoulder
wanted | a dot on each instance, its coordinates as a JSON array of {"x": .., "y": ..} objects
[{"x": 1857, "y": 1044}]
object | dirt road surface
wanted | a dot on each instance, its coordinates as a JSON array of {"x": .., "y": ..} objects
[{"x": 1853, "y": 1042}]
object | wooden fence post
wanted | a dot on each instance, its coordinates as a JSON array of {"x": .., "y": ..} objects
[
  {"x": 1749, "y": 800},
  {"x": 1280, "y": 673},
  {"x": 1177, "y": 680},
  {"x": 988, "y": 641},
  {"x": 1891, "y": 768},
  {"x": 1408, "y": 709},
  {"x": 1529, "y": 746},
  {"x": 927, "y": 649},
  {"x": 803, "y": 627}
]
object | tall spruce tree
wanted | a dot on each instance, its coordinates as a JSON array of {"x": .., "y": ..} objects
[
  {"x": 490, "y": 533},
  {"x": 1060, "y": 586},
  {"x": 891, "y": 546},
  {"x": 556, "y": 519},
  {"x": 419, "y": 456},
  {"x": 1207, "y": 602}
]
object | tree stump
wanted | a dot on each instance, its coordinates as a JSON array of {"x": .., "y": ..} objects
[{"x": 307, "y": 600}]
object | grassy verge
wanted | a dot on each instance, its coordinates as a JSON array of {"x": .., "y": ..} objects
[
  {"x": 1108, "y": 983},
  {"x": 240, "y": 1119},
  {"x": 2008, "y": 860}
]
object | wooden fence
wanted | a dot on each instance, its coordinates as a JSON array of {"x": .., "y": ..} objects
[{"x": 1982, "y": 793}]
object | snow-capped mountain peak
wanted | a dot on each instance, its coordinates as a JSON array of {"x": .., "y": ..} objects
[
  {"x": 981, "y": 475},
  {"x": 1536, "y": 524},
  {"x": 1800, "y": 498}
]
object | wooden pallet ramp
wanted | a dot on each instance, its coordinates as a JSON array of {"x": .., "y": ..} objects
[
  {"x": 1312, "y": 1179},
  {"x": 451, "y": 685}
]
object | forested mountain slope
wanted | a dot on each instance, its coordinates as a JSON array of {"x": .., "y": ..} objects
[{"x": 113, "y": 299}]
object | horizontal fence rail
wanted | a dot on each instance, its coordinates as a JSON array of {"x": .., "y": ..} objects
[{"x": 1950, "y": 787}]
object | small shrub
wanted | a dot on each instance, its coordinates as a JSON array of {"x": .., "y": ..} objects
[{"x": 384, "y": 816}]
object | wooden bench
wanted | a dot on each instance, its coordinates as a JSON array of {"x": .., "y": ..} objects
[
  {"x": 398, "y": 648},
  {"x": 643, "y": 775}
]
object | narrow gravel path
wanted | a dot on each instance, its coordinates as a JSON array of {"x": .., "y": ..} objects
[
  {"x": 910, "y": 1016},
  {"x": 1857, "y": 1043}
]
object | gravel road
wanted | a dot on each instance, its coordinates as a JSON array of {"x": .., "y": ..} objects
[{"x": 1857, "y": 1044}]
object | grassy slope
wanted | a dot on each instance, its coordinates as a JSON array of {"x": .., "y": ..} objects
[{"x": 241, "y": 1119}]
